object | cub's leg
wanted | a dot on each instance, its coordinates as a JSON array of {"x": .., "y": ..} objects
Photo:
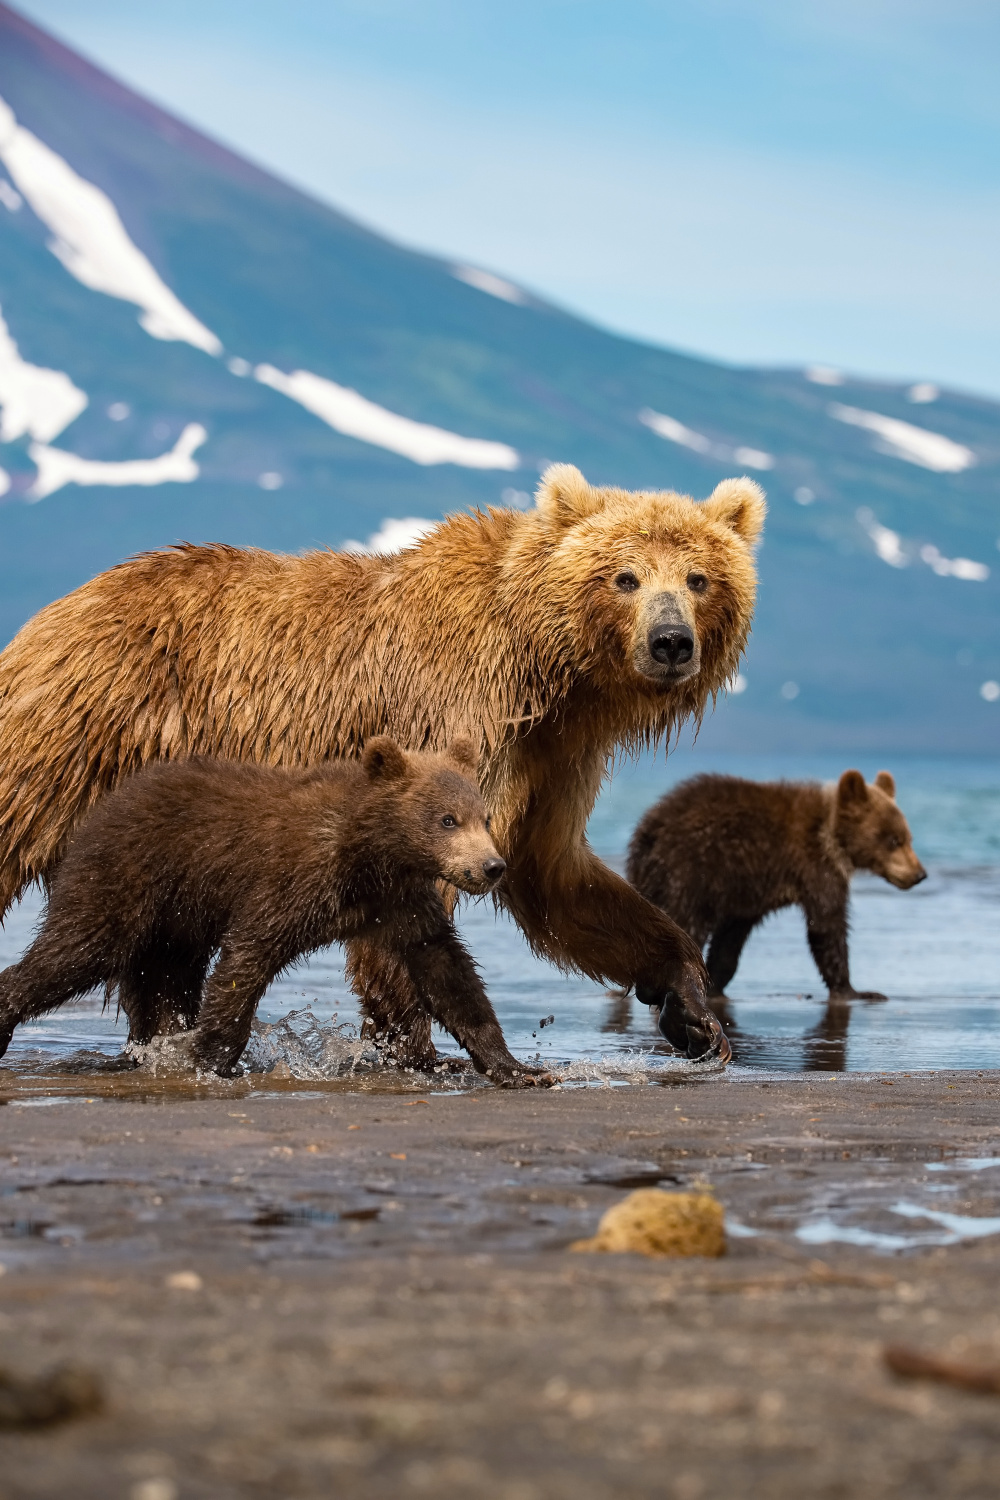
[
  {"x": 46, "y": 977},
  {"x": 160, "y": 992},
  {"x": 724, "y": 951},
  {"x": 444, "y": 974},
  {"x": 827, "y": 933},
  {"x": 395, "y": 1015},
  {"x": 233, "y": 992}
]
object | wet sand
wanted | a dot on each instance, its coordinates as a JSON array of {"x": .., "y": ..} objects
[{"x": 376, "y": 1298}]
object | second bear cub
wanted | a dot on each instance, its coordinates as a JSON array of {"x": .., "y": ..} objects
[
  {"x": 256, "y": 866},
  {"x": 719, "y": 854}
]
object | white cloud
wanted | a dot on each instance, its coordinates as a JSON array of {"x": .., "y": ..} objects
[
  {"x": 931, "y": 450},
  {"x": 33, "y": 400},
  {"x": 355, "y": 416},
  {"x": 393, "y": 536},
  {"x": 494, "y": 286},
  {"x": 56, "y": 467},
  {"x": 90, "y": 239}
]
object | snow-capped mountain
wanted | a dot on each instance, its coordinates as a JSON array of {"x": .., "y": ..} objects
[{"x": 190, "y": 348}]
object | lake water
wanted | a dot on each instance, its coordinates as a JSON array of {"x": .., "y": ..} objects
[{"x": 935, "y": 951}]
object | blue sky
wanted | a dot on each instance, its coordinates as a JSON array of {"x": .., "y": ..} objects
[{"x": 773, "y": 182}]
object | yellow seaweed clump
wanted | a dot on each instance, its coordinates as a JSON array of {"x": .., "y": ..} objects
[{"x": 652, "y": 1222}]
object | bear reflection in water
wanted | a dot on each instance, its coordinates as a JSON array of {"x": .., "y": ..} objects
[{"x": 719, "y": 854}]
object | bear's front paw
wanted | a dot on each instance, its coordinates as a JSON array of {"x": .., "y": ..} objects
[{"x": 689, "y": 1025}]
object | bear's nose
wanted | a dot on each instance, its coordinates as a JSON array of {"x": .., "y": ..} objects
[
  {"x": 493, "y": 868},
  {"x": 672, "y": 644}
]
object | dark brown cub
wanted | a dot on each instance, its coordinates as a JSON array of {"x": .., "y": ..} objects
[
  {"x": 718, "y": 854},
  {"x": 192, "y": 885}
]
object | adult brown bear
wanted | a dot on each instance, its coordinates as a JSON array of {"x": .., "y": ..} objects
[{"x": 553, "y": 638}]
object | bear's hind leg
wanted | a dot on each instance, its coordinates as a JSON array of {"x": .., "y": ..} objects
[
  {"x": 724, "y": 951},
  {"x": 44, "y": 979},
  {"x": 161, "y": 991},
  {"x": 234, "y": 989},
  {"x": 396, "y": 1018}
]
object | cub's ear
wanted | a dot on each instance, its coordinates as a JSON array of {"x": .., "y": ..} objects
[
  {"x": 465, "y": 758},
  {"x": 851, "y": 789},
  {"x": 383, "y": 760},
  {"x": 886, "y": 783},
  {"x": 740, "y": 505},
  {"x": 564, "y": 496}
]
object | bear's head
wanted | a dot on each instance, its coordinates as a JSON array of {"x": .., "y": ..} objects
[
  {"x": 654, "y": 591},
  {"x": 873, "y": 832},
  {"x": 435, "y": 808}
]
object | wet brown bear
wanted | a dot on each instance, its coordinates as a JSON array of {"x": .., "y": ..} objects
[
  {"x": 554, "y": 638},
  {"x": 259, "y": 866},
  {"x": 719, "y": 854}
]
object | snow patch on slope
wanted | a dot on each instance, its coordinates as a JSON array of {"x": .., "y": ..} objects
[
  {"x": 90, "y": 239},
  {"x": 56, "y": 467},
  {"x": 892, "y": 549},
  {"x": 493, "y": 286},
  {"x": 352, "y": 414},
  {"x": 393, "y": 536},
  {"x": 33, "y": 400},
  {"x": 686, "y": 437},
  {"x": 917, "y": 445}
]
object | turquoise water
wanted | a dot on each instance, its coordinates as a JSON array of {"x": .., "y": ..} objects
[{"x": 935, "y": 950}]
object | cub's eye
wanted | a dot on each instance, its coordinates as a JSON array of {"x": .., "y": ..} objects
[
  {"x": 697, "y": 583},
  {"x": 448, "y": 821},
  {"x": 626, "y": 583}
]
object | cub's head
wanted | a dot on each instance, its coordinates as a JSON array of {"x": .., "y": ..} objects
[
  {"x": 437, "y": 807},
  {"x": 656, "y": 590},
  {"x": 873, "y": 832}
]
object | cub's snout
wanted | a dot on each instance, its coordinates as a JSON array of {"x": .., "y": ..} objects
[{"x": 475, "y": 866}]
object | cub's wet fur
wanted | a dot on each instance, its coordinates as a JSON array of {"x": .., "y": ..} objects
[
  {"x": 719, "y": 854},
  {"x": 254, "y": 866}
]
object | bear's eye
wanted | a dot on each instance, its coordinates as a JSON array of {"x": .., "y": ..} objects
[
  {"x": 892, "y": 842},
  {"x": 697, "y": 583},
  {"x": 448, "y": 821},
  {"x": 626, "y": 582},
  {"x": 489, "y": 824}
]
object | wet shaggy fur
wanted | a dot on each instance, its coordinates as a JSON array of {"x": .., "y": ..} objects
[
  {"x": 719, "y": 854},
  {"x": 256, "y": 866},
  {"x": 530, "y": 632}
]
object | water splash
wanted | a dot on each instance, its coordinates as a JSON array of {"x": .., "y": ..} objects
[
  {"x": 308, "y": 1048},
  {"x": 634, "y": 1067}
]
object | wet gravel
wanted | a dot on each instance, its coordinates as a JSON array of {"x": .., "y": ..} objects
[{"x": 318, "y": 1289}]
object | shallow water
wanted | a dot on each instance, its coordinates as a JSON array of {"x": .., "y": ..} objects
[{"x": 935, "y": 951}]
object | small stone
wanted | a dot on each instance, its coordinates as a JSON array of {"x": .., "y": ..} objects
[
  {"x": 652, "y": 1222},
  {"x": 184, "y": 1281}
]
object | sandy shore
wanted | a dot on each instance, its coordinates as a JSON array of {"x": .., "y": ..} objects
[{"x": 375, "y": 1296}]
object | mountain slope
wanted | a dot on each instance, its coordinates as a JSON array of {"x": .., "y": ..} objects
[{"x": 228, "y": 359}]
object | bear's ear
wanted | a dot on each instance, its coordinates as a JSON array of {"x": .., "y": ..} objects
[
  {"x": 885, "y": 782},
  {"x": 465, "y": 758},
  {"x": 740, "y": 505},
  {"x": 564, "y": 496},
  {"x": 851, "y": 789},
  {"x": 383, "y": 760}
]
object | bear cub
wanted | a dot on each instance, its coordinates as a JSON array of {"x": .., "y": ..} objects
[
  {"x": 719, "y": 854},
  {"x": 255, "y": 866}
]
